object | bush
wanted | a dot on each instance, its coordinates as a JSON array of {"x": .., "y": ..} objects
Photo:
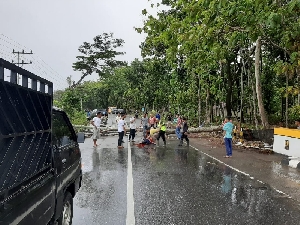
[
  {"x": 78, "y": 118},
  {"x": 294, "y": 113},
  {"x": 274, "y": 119}
]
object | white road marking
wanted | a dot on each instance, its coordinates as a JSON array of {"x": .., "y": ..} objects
[
  {"x": 130, "y": 219},
  {"x": 239, "y": 171}
]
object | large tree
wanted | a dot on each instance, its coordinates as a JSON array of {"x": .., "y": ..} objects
[
  {"x": 99, "y": 56},
  {"x": 214, "y": 42}
]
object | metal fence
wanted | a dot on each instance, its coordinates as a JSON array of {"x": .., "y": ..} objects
[{"x": 25, "y": 125}]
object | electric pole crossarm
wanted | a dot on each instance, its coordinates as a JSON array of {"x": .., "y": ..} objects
[
  {"x": 22, "y": 53},
  {"x": 21, "y": 63}
]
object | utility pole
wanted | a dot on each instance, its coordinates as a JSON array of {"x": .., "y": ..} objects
[
  {"x": 22, "y": 53},
  {"x": 21, "y": 63}
]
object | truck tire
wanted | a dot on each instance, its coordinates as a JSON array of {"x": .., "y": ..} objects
[{"x": 67, "y": 212}]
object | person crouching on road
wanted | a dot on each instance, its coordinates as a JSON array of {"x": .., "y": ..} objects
[
  {"x": 184, "y": 134},
  {"x": 121, "y": 130},
  {"x": 162, "y": 132},
  {"x": 96, "y": 122},
  {"x": 148, "y": 140},
  {"x": 132, "y": 128},
  {"x": 228, "y": 127}
]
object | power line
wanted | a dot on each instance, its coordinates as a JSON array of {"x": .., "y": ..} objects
[
  {"x": 22, "y": 53},
  {"x": 13, "y": 41},
  {"x": 49, "y": 68},
  {"x": 36, "y": 68},
  {"x": 10, "y": 43},
  {"x": 41, "y": 70},
  {"x": 42, "y": 65},
  {"x": 25, "y": 48}
]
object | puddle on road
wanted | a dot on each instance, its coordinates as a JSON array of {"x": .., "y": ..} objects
[
  {"x": 286, "y": 171},
  {"x": 102, "y": 196}
]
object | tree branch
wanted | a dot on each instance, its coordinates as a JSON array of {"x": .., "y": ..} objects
[
  {"x": 74, "y": 85},
  {"x": 265, "y": 39},
  {"x": 269, "y": 41}
]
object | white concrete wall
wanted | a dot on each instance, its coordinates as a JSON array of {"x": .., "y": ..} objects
[{"x": 279, "y": 145}]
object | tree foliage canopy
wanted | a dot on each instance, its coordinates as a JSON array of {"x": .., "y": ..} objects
[
  {"x": 205, "y": 59},
  {"x": 99, "y": 56}
]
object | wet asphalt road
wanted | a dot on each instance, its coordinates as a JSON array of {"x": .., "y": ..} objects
[{"x": 172, "y": 185}]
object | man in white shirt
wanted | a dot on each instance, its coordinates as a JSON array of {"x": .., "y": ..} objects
[
  {"x": 132, "y": 128},
  {"x": 118, "y": 118},
  {"x": 96, "y": 122},
  {"x": 121, "y": 130}
]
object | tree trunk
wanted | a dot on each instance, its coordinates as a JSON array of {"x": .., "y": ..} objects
[
  {"x": 254, "y": 113},
  {"x": 207, "y": 106},
  {"x": 247, "y": 73},
  {"x": 264, "y": 118},
  {"x": 211, "y": 112},
  {"x": 286, "y": 100},
  {"x": 199, "y": 101},
  {"x": 298, "y": 100},
  {"x": 229, "y": 91},
  {"x": 242, "y": 94},
  {"x": 222, "y": 113},
  {"x": 282, "y": 108},
  {"x": 249, "y": 80}
]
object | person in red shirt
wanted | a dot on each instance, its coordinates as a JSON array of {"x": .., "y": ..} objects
[{"x": 152, "y": 121}]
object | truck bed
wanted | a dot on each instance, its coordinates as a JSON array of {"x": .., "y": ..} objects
[{"x": 25, "y": 127}]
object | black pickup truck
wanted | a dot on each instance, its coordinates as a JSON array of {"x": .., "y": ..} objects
[{"x": 40, "y": 159}]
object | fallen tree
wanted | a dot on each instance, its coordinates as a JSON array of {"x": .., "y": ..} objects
[{"x": 105, "y": 129}]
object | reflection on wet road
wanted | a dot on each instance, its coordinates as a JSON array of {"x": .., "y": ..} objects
[
  {"x": 102, "y": 197},
  {"x": 179, "y": 186},
  {"x": 172, "y": 186}
]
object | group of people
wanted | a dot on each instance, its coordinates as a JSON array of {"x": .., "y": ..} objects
[
  {"x": 120, "y": 120},
  {"x": 154, "y": 129}
]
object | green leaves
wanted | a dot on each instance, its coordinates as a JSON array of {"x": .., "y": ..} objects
[
  {"x": 144, "y": 12},
  {"x": 99, "y": 56},
  {"x": 274, "y": 20},
  {"x": 197, "y": 53}
]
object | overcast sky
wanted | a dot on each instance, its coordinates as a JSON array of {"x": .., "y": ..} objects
[{"x": 54, "y": 30}]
